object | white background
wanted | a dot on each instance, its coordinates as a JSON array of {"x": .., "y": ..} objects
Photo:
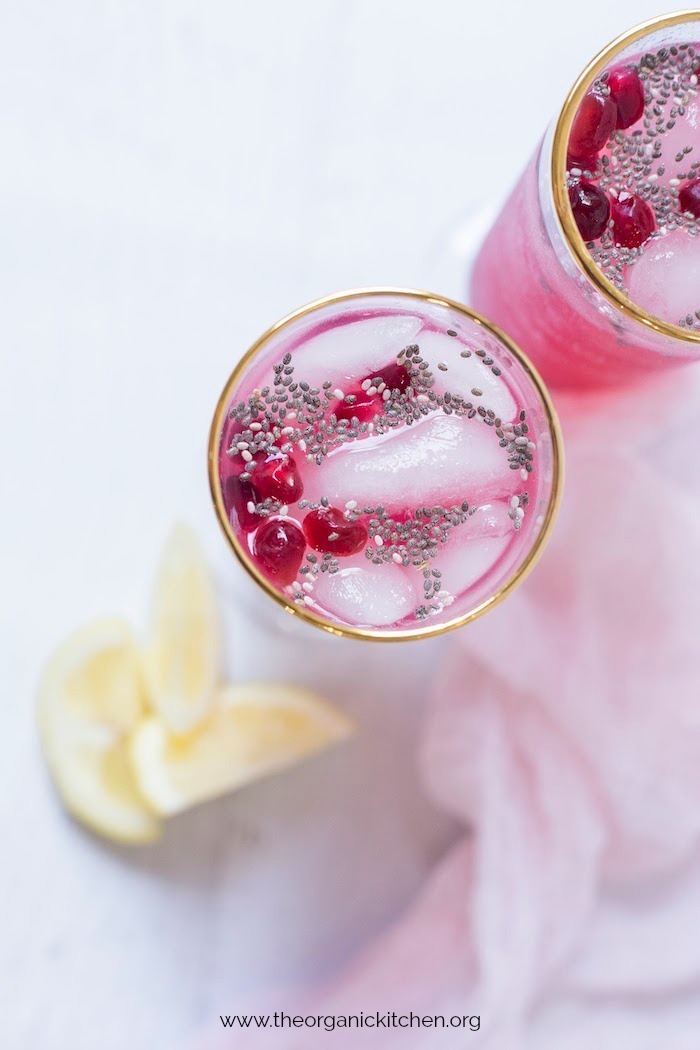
[{"x": 174, "y": 177}]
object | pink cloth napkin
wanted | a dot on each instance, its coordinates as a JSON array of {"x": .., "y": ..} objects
[{"x": 564, "y": 731}]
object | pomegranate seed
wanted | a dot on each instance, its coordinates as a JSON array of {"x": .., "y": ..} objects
[
  {"x": 634, "y": 220},
  {"x": 279, "y": 548},
  {"x": 587, "y": 164},
  {"x": 277, "y": 477},
  {"x": 366, "y": 406},
  {"x": 327, "y": 530},
  {"x": 591, "y": 209},
  {"x": 395, "y": 376},
  {"x": 237, "y": 495},
  {"x": 689, "y": 198},
  {"x": 627, "y": 92},
  {"x": 593, "y": 125}
]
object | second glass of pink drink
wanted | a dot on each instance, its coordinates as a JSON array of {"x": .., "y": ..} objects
[
  {"x": 593, "y": 265},
  {"x": 385, "y": 464}
]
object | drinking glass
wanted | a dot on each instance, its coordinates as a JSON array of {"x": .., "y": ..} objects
[
  {"x": 385, "y": 464},
  {"x": 536, "y": 276}
]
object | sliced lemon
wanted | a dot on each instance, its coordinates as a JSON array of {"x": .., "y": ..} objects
[
  {"x": 182, "y": 658},
  {"x": 255, "y": 729},
  {"x": 90, "y": 699}
]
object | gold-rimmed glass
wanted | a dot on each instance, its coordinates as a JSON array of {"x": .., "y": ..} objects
[
  {"x": 363, "y": 302},
  {"x": 535, "y": 277}
]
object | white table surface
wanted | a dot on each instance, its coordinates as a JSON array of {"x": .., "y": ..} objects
[{"x": 175, "y": 176}]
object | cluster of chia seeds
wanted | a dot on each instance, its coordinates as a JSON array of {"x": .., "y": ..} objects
[
  {"x": 634, "y": 160},
  {"x": 293, "y": 416}
]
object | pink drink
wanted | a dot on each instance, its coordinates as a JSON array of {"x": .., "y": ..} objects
[
  {"x": 593, "y": 265},
  {"x": 385, "y": 463}
]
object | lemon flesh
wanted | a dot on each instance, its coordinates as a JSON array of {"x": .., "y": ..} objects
[
  {"x": 182, "y": 659},
  {"x": 256, "y": 729},
  {"x": 90, "y": 700}
]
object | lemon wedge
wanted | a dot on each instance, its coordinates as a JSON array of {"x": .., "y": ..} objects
[
  {"x": 182, "y": 658},
  {"x": 90, "y": 700},
  {"x": 256, "y": 729}
]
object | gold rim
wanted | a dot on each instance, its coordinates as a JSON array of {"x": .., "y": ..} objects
[
  {"x": 363, "y": 632},
  {"x": 558, "y": 168}
]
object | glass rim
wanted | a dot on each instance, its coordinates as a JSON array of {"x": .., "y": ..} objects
[
  {"x": 369, "y": 633},
  {"x": 562, "y": 207}
]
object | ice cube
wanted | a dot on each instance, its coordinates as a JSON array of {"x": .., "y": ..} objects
[
  {"x": 465, "y": 373},
  {"x": 351, "y": 351},
  {"x": 376, "y": 596},
  {"x": 440, "y": 460},
  {"x": 489, "y": 520},
  {"x": 665, "y": 281},
  {"x": 463, "y": 562}
]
